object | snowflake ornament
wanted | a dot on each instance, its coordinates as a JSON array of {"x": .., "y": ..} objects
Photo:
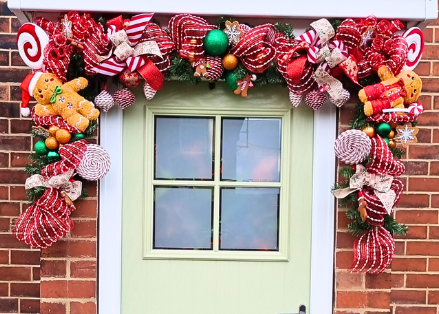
[
  {"x": 233, "y": 32},
  {"x": 66, "y": 27},
  {"x": 406, "y": 134}
]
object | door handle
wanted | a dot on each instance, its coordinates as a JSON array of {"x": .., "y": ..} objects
[{"x": 302, "y": 310}]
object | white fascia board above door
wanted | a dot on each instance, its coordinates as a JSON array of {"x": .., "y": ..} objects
[{"x": 418, "y": 12}]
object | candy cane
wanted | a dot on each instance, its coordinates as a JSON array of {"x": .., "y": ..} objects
[
  {"x": 415, "y": 41},
  {"x": 31, "y": 41}
]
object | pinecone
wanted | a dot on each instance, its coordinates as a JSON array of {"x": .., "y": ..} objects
[
  {"x": 104, "y": 101},
  {"x": 124, "y": 98},
  {"x": 295, "y": 99},
  {"x": 148, "y": 91},
  {"x": 315, "y": 99}
]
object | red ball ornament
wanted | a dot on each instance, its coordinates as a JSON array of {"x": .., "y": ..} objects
[{"x": 129, "y": 79}]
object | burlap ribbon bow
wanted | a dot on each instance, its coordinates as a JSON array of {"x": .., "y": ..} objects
[{"x": 381, "y": 185}]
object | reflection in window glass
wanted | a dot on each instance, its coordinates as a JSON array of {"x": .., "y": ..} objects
[
  {"x": 184, "y": 148},
  {"x": 182, "y": 218},
  {"x": 251, "y": 149},
  {"x": 249, "y": 219}
]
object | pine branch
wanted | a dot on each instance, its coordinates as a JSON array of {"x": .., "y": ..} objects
[
  {"x": 398, "y": 153},
  {"x": 35, "y": 193},
  {"x": 394, "y": 227},
  {"x": 181, "y": 69},
  {"x": 286, "y": 29},
  {"x": 346, "y": 172},
  {"x": 359, "y": 121},
  {"x": 92, "y": 127},
  {"x": 270, "y": 76},
  {"x": 335, "y": 24}
]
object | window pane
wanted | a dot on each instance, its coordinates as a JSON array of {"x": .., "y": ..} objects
[
  {"x": 182, "y": 218},
  {"x": 249, "y": 219},
  {"x": 183, "y": 148},
  {"x": 251, "y": 149}
]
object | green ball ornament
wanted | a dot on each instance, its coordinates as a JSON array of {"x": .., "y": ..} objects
[
  {"x": 40, "y": 148},
  {"x": 386, "y": 140},
  {"x": 216, "y": 42},
  {"x": 383, "y": 129},
  {"x": 53, "y": 156},
  {"x": 231, "y": 79},
  {"x": 78, "y": 136}
]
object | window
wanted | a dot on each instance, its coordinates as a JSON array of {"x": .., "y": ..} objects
[{"x": 217, "y": 184}]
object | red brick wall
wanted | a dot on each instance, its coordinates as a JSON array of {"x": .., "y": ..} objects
[
  {"x": 68, "y": 269},
  {"x": 411, "y": 285},
  {"x": 63, "y": 276}
]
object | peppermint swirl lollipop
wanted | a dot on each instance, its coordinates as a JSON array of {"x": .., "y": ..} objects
[
  {"x": 31, "y": 41},
  {"x": 415, "y": 41},
  {"x": 95, "y": 164},
  {"x": 352, "y": 146}
]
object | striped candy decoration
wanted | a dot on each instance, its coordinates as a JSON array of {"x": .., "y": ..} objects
[
  {"x": 71, "y": 156},
  {"x": 137, "y": 25},
  {"x": 352, "y": 147},
  {"x": 415, "y": 41},
  {"x": 53, "y": 120},
  {"x": 95, "y": 164}
]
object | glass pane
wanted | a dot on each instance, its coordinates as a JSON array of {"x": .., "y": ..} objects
[
  {"x": 182, "y": 218},
  {"x": 249, "y": 219},
  {"x": 251, "y": 149},
  {"x": 184, "y": 148}
]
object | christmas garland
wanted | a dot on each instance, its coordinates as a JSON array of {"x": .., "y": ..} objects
[{"x": 369, "y": 57}]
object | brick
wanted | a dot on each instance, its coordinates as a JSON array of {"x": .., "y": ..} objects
[
  {"x": 81, "y": 289},
  {"x": 417, "y": 216},
  {"x": 31, "y": 290},
  {"x": 415, "y": 309},
  {"x": 347, "y": 113},
  {"x": 36, "y": 273},
  {"x": 85, "y": 209},
  {"x": 433, "y": 264},
  {"x": 436, "y": 65},
  {"x": 430, "y": 85},
  {"x": 409, "y": 264},
  {"x": 53, "y": 289},
  {"x": 4, "y": 58},
  {"x": 423, "y": 68},
  {"x": 25, "y": 257},
  {"x": 408, "y": 296},
  {"x": 17, "y": 143},
  {"x": 434, "y": 168},
  {"x": 18, "y": 74},
  {"x": 16, "y": 59},
  {"x": 8, "y": 241},
  {"x": 342, "y": 221},
  {"x": 4, "y": 257},
  {"x": 435, "y": 201},
  {"x": 424, "y": 136},
  {"x": 345, "y": 240},
  {"x": 18, "y": 193},
  {"x": 83, "y": 269},
  {"x": 428, "y": 118},
  {"x": 84, "y": 229},
  {"x": 20, "y": 126},
  {"x": 5, "y": 224},
  {"x": 4, "y": 289},
  {"x": 433, "y": 232},
  {"x": 81, "y": 308},
  {"x": 70, "y": 249},
  {"x": 15, "y": 93},
  {"x": 416, "y": 168},
  {"x": 19, "y": 159},
  {"x": 9, "y": 209},
  {"x": 424, "y": 184},
  {"x": 399, "y": 248},
  {"x": 91, "y": 187},
  {"x": 415, "y": 232},
  {"x": 4, "y": 126},
  {"x": 15, "y": 25},
  {"x": 15, "y": 273},
  {"x": 68, "y": 289},
  {"x": 430, "y": 52},
  {"x": 52, "y": 308},
  {"x": 428, "y": 35},
  {"x": 422, "y": 248},
  {"x": 9, "y": 306},
  {"x": 4, "y": 10},
  {"x": 4, "y": 192},
  {"x": 53, "y": 268},
  {"x": 10, "y": 110},
  {"x": 343, "y": 260},
  {"x": 378, "y": 299},
  {"x": 433, "y": 297},
  {"x": 13, "y": 177},
  {"x": 4, "y": 160},
  {"x": 422, "y": 281},
  {"x": 426, "y": 101},
  {"x": 29, "y": 306},
  {"x": 397, "y": 280},
  {"x": 351, "y": 299},
  {"x": 383, "y": 281}
]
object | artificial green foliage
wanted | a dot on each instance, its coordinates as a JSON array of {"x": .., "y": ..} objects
[
  {"x": 393, "y": 227},
  {"x": 35, "y": 193},
  {"x": 270, "y": 76},
  {"x": 181, "y": 70},
  {"x": 77, "y": 69},
  {"x": 240, "y": 71},
  {"x": 398, "y": 153},
  {"x": 370, "y": 80},
  {"x": 335, "y": 24},
  {"x": 359, "y": 121},
  {"x": 222, "y": 21},
  {"x": 37, "y": 162},
  {"x": 92, "y": 127},
  {"x": 285, "y": 29}
]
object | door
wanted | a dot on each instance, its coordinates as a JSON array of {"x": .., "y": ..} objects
[{"x": 217, "y": 196}]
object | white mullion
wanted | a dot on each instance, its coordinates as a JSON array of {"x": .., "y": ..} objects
[{"x": 217, "y": 167}]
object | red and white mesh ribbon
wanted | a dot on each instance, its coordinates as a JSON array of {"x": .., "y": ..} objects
[
  {"x": 71, "y": 156},
  {"x": 382, "y": 160},
  {"x": 53, "y": 120},
  {"x": 352, "y": 146},
  {"x": 373, "y": 251}
]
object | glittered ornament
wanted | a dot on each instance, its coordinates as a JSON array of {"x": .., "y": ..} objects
[
  {"x": 386, "y": 140},
  {"x": 383, "y": 129},
  {"x": 369, "y": 130},
  {"x": 124, "y": 98},
  {"x": 148, "y": 91},
  {"x": 53, "y": 129},
  {"x": 230, "y": 62},
  {"x": 392, "y": 144},
  {"x": 40, "y": 148},
  {"x": 316, "y": 99},
  {"x": 63, "y": 136},
  {"x": 53, "y": 156},
  {"x": 231, "y": 79},
  {"x": 51, "y": 143},
  {"x": 129, "y": 79},
  {"x": 78, "y": 136},
  {"x": 215, "y": 43},
  {"x": 391, "y": 134},
  {"x": 104, "y": 101}
]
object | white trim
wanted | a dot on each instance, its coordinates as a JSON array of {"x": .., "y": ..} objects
[
  {"x": 323, "y": 210},
  {"x": 110, "y": 216}
]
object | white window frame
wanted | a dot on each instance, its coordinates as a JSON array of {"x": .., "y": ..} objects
[{"x": 323, "y": 213}]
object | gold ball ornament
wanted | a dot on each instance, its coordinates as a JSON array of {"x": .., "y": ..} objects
[
  {"x": 230, "y": 62},
  {"x": 391, "y": 134},
  {"x": 370, "y": 131},
  {"x": 53, "y": 129},
  {"x": 51, "y": 142},
  {"x": 392, "y": 144},
  {"x": 393, "y": 124},
  {"x": 63, "y": 136}
]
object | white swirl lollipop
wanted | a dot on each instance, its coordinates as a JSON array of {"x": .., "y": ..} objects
[
  {"x": 31, "y": 41},
  {"x": 415, "y": 41},
  {"x": 95, "y": 164},
  {"x": 352, "y": 146}
]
